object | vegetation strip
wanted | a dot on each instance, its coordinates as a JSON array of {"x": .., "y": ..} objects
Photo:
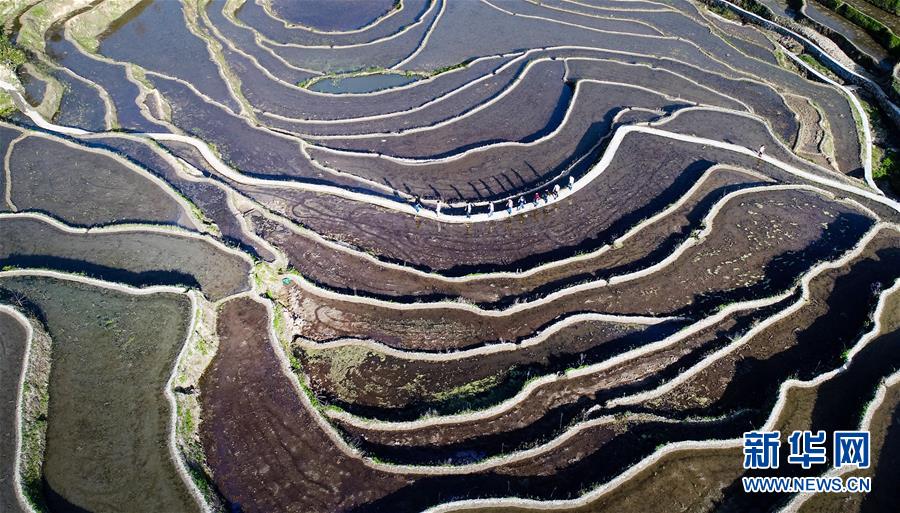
[{"x": 16, "y": 483}]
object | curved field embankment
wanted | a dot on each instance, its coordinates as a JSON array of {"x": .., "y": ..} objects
[
  {"x": 15, "y": 340},
  {"x": 132, "y": 255}
]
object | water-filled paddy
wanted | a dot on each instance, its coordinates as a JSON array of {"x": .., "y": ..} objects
[
  {"x": 108, "y": 419},
  {"x": 157, "y": 31},
  {"x": 337, "y": 16},
  {"x": 138, "y": 258},
  {"x": 85, "y": 188},
  {"x": 362, "y": 84}
]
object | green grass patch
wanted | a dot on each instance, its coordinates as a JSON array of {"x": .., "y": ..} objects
[
  {"x": 888, "y": 168},
  {"x": 11, "y": 56},
  {"x": 451, "y": 67},
  {"x": 879, "y": 32},
  {"x": 724, "y": 12},
  {"x": 756, "y": 8},
  {"x": 888, "y": 5},
  {"x": 7, "y": 106},
  {"x": 203, "y": 346},
  {"x": 34, "y": 410},
  {"x": 313, "y": 398},
  {"x": 818, "y": 66},
  {"x": 34, "y": 21},
  {"x": 885, "y": 161},
  {"x": 186, "y": 422},
  {"x": 31, "y": 473},
  {"x": 784, "y": 61},
  {"x": 469, "y": 390},
  {"x": 340, "y": 364},
  {"x": 278, "y": 322},
  {"x": 336, "y": 78}
]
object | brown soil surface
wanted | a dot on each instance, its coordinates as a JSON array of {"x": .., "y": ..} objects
[
  {"x": 841, "y": 401},
  {"x": 664, "y": 77},
  {"x": 688, "y": 481},
  {"x": 262, "y": 416},
  {"x": 628, "y": 191},
  {"x": 350, "y": 273},
  {"x": 811, "y": 134},
  {"x": 743, "y": 131},
  {"x": 210, "y": 197},
  {"x": 596, "y": 386},
  {"x": 266, "y": 451},
  {"x": 884, "y": 449},
  {"x": 362, "y": 376},
  {"x": 884, "y": 443},
  {"x": 753, "y": 236},
  {"x": 716, "y": 381}
]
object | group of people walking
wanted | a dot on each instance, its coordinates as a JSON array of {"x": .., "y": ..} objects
[
  {"x": 521, "y": 203},
  {"x": 511, "y": 205}
]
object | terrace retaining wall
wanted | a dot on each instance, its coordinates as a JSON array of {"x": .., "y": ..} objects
[{"x": 789, "y": 28}]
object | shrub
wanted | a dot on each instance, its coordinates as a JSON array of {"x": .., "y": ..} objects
[
  {"x": 756, "y": 8},
  {"x": 889, "y": 168},
  {"x": 895, "y": 82},
  {"x": 879, "y": 32},
  {"x": 10, "y": 56},
  {"x": 888, "y": 5},
  {"x": 875, "y": 28}
]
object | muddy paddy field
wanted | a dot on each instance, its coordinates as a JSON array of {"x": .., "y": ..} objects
[{"x": 429, "y": 255}]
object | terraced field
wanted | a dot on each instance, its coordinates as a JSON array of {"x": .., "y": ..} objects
[{"x": 443, "y": 255}]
